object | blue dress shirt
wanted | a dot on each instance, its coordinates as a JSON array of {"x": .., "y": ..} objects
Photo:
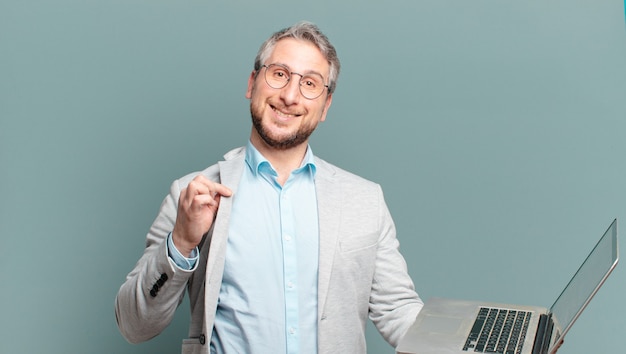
[{"x": 268, "y": 297}]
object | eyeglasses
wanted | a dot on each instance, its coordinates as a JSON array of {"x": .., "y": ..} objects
[{"x": 311, "y": 85}]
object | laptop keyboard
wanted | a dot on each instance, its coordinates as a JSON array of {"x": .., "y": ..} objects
[{"x": 498, "y": 331}]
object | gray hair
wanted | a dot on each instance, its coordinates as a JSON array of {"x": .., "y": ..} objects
[{"x": 305, "y": 31}]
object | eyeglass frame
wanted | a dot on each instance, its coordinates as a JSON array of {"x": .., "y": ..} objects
[{"x": 291, "y": 73}]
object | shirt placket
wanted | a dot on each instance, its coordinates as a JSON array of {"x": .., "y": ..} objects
[{"x": 290, "y": 271}]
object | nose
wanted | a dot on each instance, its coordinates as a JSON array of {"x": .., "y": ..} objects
[{"x": 290, "y": 94}]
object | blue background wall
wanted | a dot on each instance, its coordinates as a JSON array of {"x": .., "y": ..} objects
[{"x": 489, "y": 123}]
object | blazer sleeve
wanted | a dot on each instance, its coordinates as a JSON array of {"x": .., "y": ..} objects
[
  {"x": 394, "y": 303},
  {"x": 147, "y": 300}
]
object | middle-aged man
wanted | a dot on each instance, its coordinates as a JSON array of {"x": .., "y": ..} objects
[{"x": 280, "y": 251}]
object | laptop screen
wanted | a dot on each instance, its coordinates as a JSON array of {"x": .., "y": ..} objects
[{"x": 587, "y": 280}]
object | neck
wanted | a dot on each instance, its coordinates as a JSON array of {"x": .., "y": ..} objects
[{"x": 284, "y": 161}]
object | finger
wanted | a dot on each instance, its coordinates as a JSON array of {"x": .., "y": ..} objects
[
  {"x": 197, "y": 186},
  {"x": 222, "y": 190},
  {"x": 189, "y": 199},
  {"x": 203, "y": 185},
  {"x": 202, "y": 200}
]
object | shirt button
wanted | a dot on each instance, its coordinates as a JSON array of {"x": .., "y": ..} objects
[
  {"x": 292, "y": 330},
  {"x": 287, "y": 238},
  {"x": 290, "y": 285}
]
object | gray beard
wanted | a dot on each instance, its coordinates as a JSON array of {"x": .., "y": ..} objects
[{"x": 282, "y": 143}]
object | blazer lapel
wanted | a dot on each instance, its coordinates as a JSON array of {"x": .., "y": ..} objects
[
  {"x": 230, "y": 173},
  {"x": 329, "y": 213}
]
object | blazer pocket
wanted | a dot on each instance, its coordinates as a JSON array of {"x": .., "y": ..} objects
[{"x": 359, "y": 243}]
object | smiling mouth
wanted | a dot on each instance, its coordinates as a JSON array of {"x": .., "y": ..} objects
[{"x": 284, "y": 114}]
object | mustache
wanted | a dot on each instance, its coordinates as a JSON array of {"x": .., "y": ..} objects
[{"x": 286, "y": 110}]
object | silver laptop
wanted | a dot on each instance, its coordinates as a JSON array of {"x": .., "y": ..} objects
[{"x": 458, "y": 326}]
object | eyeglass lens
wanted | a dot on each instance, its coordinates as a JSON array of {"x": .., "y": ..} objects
[{"x": 311, "y": 85}]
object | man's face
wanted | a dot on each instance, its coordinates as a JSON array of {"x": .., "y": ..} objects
[{"x": 283, "y": 118}]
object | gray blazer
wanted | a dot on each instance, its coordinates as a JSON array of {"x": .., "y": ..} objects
[{"x": 361, "y": 272}]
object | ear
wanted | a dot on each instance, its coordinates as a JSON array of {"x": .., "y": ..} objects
[
  {"x": 251, "y": 80},
  {"x": 329, "y": 100}
]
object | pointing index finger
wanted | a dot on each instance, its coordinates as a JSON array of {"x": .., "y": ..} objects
[
  {"x": 213, "y": 187},
  {"x": 222, "y": 190}
]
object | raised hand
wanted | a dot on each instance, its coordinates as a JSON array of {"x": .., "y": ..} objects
[{"x": 197, "y": 207}]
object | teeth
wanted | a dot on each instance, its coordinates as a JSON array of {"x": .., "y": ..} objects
[{"x": 283, "y": 114}]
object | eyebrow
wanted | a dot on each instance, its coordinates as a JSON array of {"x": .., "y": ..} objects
[{"x": 304, "y": 73}]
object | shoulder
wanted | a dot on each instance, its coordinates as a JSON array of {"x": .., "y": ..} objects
[
  {"x": 341, "y": 176},
  {"x": 212, "y": 172}
]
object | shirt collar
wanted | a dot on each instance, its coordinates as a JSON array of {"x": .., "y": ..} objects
[{"x": 258, "y": 163}]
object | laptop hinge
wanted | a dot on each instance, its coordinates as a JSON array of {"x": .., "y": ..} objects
[{"x": 544, "y": 333}]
